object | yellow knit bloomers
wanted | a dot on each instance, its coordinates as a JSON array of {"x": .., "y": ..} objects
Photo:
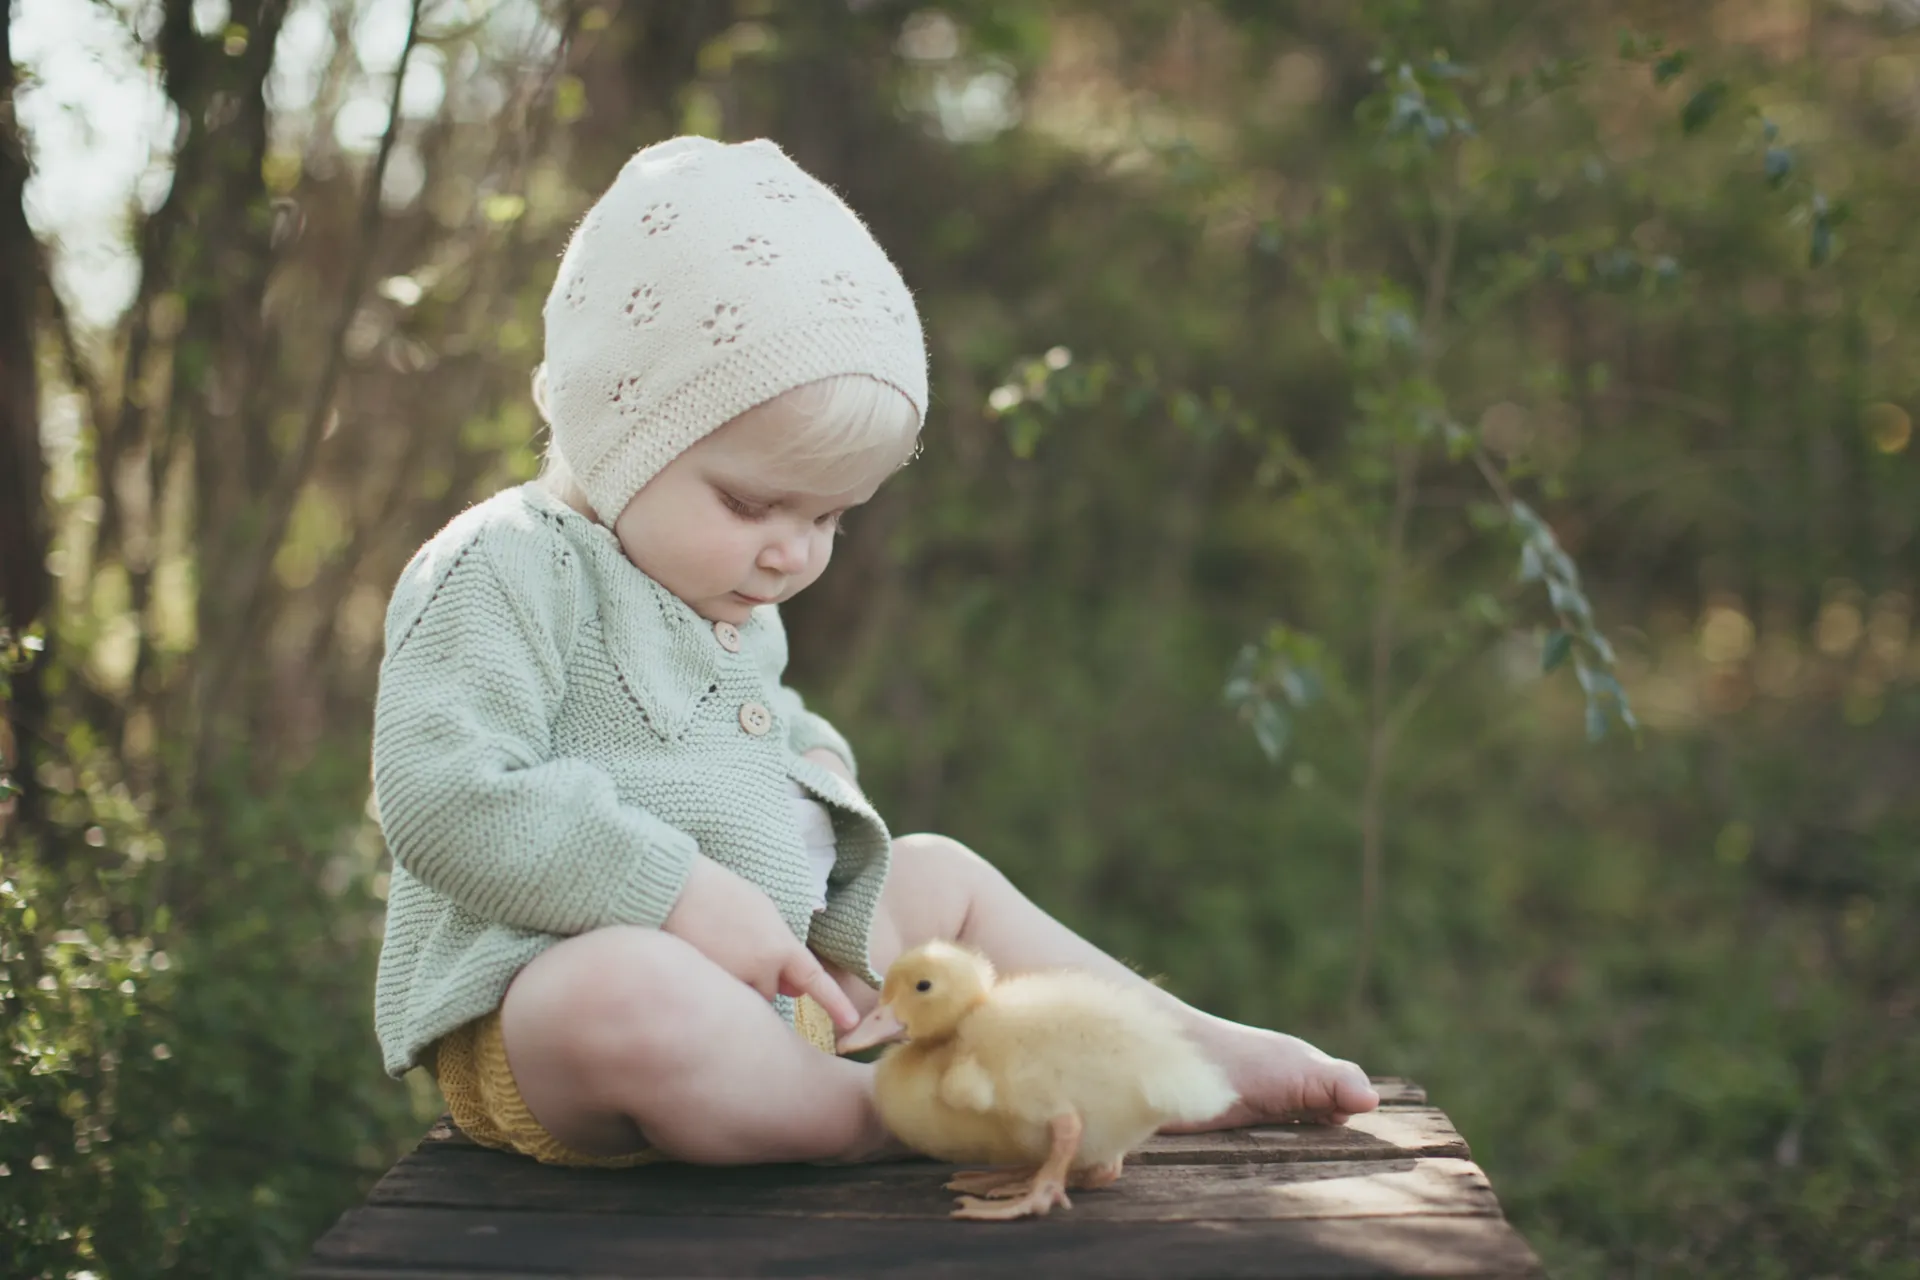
[{"x": 470, "y": 1066}]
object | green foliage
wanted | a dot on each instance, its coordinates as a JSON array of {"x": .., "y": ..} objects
[
  {"x": 1273, "y": 681},
  {"x": 1647, "y": 1025},
  {"x": 189, "y": 1082}
]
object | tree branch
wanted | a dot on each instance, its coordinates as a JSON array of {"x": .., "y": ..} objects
[
  {"x": 1382, "y": 727},
  {"x": 26, "y": 588},
  {"x": 293, "y": 474}
]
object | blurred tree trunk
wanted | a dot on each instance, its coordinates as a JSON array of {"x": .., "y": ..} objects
[
  {"x": 217, "y": 271},
  {"x": 25, "y": 585}
]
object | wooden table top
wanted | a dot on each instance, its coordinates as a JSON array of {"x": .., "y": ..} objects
[{"x": 1394, "y": 1193}]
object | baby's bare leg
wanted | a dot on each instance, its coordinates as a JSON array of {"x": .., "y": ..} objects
[
  {"x": 626, "y": 1036},
  {"x": 939, "y": 888}
]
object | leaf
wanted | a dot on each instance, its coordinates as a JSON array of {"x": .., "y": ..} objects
[
  {"x": 1300, "y": 685},
  {"x": 1820, "y": 243},
  {"x": 1272, "y": 727},
  {"x": 1703, "y": 106},
  {"x": 1559, "y": 644},
  {"x": 1530, "y": 568},
  {"x": 1779, "y": 164},
  {"x": 1596, "y": 722},
  {"x": 1563, "y": 595},
  {"x": 1668, "y": 69}
]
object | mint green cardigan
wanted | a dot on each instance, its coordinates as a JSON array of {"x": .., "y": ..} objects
[{"x": 555, "y": 736}]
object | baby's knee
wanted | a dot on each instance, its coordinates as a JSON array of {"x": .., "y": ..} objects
[
  {"x": 606, "y": 1004},
  {"x": 932, "y": 888},
  {"x": 936, "y": 860}
]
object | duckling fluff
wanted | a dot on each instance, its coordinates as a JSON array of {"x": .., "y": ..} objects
[{"x": 1052, "y": 1076}]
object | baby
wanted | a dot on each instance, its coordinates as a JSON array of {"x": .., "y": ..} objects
[{"x": 636, "y": 887}]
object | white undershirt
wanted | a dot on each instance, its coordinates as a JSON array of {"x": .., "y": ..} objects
[{"x": 816, "y": 833}]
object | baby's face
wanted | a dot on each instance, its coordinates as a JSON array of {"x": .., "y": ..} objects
[{"x": 727, "y": 526}]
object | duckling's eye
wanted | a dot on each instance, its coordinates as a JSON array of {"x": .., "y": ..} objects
[{"x": 923, "y": 985}]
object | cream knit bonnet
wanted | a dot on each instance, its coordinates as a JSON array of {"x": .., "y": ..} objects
[{"x": 710, "y": 278}]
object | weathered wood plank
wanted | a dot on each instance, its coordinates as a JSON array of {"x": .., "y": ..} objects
[
  {"x": 1378, "y": 1135},
  {"x": 1153, "y": 1193},
  {"x": 1392, "y": 1193},
  {"x": 315, "y": 1272},
  {"x": 1397, "y": 1092},
  {"x": 1405, "y": 1129},
  {"x": 1394, "y": 1092},
  {"x": 422, "y": 1243}
]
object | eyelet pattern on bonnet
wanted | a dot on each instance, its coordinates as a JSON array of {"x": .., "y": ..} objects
[{"x": 710, "y": 278}]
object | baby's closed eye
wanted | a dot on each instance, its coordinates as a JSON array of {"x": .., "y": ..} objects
[{"x": 744, "y": 509}]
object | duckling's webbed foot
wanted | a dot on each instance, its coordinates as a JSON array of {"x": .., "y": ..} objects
[
  {"x": 1047, "y": 1188},
  {"x": 1040, "y": 1196},
  {"x": 993, "y": 1183}
]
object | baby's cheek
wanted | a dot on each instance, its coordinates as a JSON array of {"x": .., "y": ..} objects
[
  {"x": 822, "y": 554},
  {"x": 731, "y": 559}
]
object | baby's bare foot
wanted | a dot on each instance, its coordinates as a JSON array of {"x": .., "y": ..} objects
[{"x": 1281, "y": 1079}]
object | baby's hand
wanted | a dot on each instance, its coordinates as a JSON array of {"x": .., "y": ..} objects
[{"x": 732, "y": 923}]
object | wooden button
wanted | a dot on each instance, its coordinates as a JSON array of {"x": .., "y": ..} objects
[
  {"x": 728, "y": 635},
  {"x": 755, "y": 719}
]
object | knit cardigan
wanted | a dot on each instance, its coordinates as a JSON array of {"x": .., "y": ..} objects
[{"x": 555, "y": 736}]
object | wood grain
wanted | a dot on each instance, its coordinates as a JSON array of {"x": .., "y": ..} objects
[
  {"x": 1391, "y": 1131},
  {"x": 1401, "y": 1129},
  {"x": 1392, "y": 1193},
  {"x": 1154, "y": 1193},
  {"x": 1396, "y": 1094},
  {"x": 403, "y": 1242}
]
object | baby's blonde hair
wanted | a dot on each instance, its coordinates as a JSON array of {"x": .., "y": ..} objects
[{"x": 838, "y": 418}]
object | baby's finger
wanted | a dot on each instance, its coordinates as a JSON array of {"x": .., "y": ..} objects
[{"x": 803, "y": 975}]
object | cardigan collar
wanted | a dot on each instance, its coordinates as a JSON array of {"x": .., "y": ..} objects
[{"x": 668, "y": 653}]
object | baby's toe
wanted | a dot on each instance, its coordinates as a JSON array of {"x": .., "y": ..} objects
[{"x": 1348, "y": 1091}]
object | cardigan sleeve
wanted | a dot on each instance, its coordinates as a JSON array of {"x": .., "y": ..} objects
[
  {"x": 806, "y": 729},
  {"x": 471, "y": 800}
]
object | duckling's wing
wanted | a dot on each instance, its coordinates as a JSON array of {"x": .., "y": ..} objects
[{"x": 966, "y": 1086}]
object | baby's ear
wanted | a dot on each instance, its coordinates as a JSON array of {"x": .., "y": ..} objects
[{"x": 539, "y": 391}]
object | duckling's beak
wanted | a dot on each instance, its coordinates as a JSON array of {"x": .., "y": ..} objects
[{"x": 877, "y": 1027}]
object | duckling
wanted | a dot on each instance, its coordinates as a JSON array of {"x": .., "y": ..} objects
[{"x": 1053, "y": 1076}]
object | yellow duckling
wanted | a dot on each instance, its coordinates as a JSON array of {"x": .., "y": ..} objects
[{"x": 1054, "y": 1076}]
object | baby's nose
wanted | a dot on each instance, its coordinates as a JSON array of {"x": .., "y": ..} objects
[{"x": 786, "y": 555}]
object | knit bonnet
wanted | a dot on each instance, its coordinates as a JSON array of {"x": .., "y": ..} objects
[{"x": 710, "y": 278}]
